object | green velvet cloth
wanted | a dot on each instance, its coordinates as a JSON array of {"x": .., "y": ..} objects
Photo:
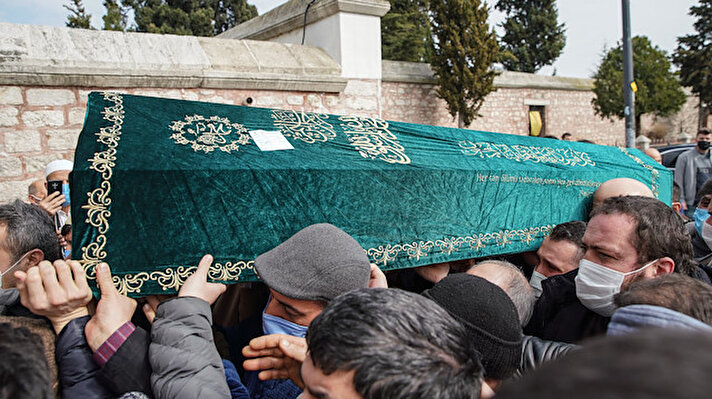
[{"x": 157, "y": 183}]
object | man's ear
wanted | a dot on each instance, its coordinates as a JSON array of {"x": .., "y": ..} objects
[
  {"x": 664, "y": 265},
  {"x": 676, "y": 206},
  {"x": 34, "y": 258}
]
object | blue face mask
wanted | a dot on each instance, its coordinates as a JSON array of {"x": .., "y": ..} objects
[
  {"x": 65, "y": 192},
  {"x": 277, "y": 325},
  {"x": 700, "y": 216}
]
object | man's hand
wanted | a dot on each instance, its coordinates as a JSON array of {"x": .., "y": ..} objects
[
  {"x": 198, "y": 286},
  {"x": 52, "y": 203},
  {"x": 112, "y": 311},
  {"x": 378, "y": 278},
  {"x": 152, "y": 302},
  {"x": 51, "y": 291},
  {"x": 279, "y": 356}
]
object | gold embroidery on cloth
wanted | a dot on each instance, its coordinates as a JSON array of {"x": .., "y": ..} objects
[
  {"x": 208, "y": 134},
  {"x": 381, "y": 255},
  {"x": 98, "y": 200},
  {"x": 307, "y": 127},
  {"x": 524, "y": 153},
  {"x": 653, "y": 172},
  {"x": 373, "y": 139}
]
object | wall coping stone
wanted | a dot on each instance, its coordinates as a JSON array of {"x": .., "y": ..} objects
[
  {"x": 420, "y": 72},
  {"x": 290, "y": 16},
  {"x": 57, "y": 56}
]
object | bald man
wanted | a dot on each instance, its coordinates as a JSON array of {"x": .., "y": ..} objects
[
  {"x": 620, "y": 187},
  {"x": 36, "y": 191},
  {"x": 655, "y": 154}
]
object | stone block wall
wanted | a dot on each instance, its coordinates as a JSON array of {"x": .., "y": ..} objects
[
  {"x": 37, "y": 125},
  {"x": 506, "y": 111}
]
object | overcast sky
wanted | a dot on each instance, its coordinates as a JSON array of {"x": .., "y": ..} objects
[{"x": 590, "y": 25}]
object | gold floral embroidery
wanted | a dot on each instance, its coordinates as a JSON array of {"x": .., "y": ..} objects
[
  {"x": 172, "y": 278},
  {"x": 381, "y": 255},
  {"x": 373, "y": 139},
  {"x": 98, "y": 200},
  {"x": 524, "y": 153},
  {"x": 208, "y": 134},
  {"x": 654, "y": 174},
  {"x": 307, "y": 127},
  {"x": 130, "y": 283}
]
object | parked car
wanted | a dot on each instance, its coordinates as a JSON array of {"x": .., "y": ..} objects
[{"x": 671, "y": 152}]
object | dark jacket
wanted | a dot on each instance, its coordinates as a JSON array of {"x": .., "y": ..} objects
[
  {"x": 10, "y": 304},
  {"x": 129, "y": 370},
  {"x": 699, "y": 246},
  {"x": 560, "y": 316},
  {"x": 536, "y": 351},
  {"x": 77, "y": 370},
  {"x": 240, "y": 336},
  {"x": 183, "y": 357}
]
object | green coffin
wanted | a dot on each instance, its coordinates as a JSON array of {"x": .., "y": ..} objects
[{"x": 157, "y": 183}]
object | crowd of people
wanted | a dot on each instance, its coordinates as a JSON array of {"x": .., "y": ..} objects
[{"x": 616, "y": 306}]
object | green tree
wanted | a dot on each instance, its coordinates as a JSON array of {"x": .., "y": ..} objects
[
  {"x": 229, "y": 13},
  {"x": 533, "y": 37},
  {"x": 116, "y": 16},
  {"x": 78, "y": 17},
  {"x": 464, "y": 50},
  {"x": 694, "y": 57},
  {"x": 189, "y": 17},
  {"x": 405, "y": 31},
  {"x": 659, "y": 91}
]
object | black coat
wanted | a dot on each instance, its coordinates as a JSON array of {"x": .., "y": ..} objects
[
  {"x": 77, "y": 370},
  {"x": 129, "y": 370},
  {"x": 560, "y": 316}
]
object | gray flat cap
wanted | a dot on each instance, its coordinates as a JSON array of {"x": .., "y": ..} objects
[{"x": 318, "y": 263}]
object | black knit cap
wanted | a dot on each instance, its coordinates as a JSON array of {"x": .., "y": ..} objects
[
  {"x": 318, "y": 263},
  {"x": 489, "y": 316}
]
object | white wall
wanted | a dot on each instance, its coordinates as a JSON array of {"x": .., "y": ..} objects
[{"x": 353, "y": 40}]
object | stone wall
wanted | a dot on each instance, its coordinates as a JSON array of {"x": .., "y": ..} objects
[{"x": 506, "y": 111}]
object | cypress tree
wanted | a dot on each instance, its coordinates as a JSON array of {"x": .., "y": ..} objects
[
  {"x": 694, "y": 57},
  {"x": 189, "y": 17},
  {"x": 116, "y": 16},
  {"x": 78, "y": 17},
  {"x": 464, "y": 50},
  {"x": 533, "y": 37},
  {"x": 405, "y": 30}
]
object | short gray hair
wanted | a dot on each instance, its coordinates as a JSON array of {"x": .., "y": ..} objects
[
  {"x": 28, "y": 227},
  {"x": 517, "y": 288}
]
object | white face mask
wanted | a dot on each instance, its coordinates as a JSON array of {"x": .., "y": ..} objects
[
  {"x": 707, "y": 234},
  {"x": 535, "y": 282},
  {"x": 596, "y": 285},
  {"x": 10, "y": 268}
]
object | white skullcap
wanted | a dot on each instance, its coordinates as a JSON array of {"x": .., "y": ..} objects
[{"x": 60, "y": 164}]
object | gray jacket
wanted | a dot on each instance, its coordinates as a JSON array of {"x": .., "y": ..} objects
[
  {"x": 184, "y": 359},
  {"x": 685, "y": 175}
]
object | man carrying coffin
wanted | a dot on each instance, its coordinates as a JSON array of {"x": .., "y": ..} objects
[{"x": 303, "y": 275}]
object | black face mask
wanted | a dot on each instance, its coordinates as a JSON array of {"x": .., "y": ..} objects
[{"x": 703, "y": 145}]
